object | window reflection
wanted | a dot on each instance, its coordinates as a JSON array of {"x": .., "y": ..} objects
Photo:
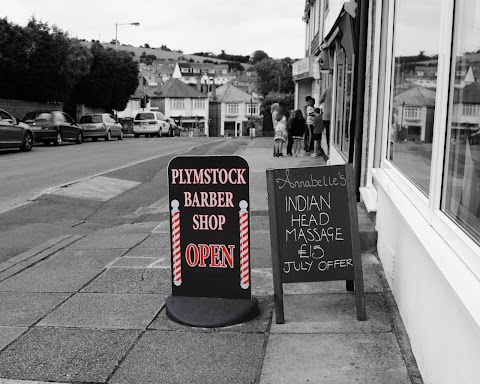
[
  {"x": 414, "y": 85},
  {"x": 461, "y": 194}
]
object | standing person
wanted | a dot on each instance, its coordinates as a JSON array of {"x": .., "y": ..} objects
[
  {"x": 297, "y": 131},
  {"x": 317, "y": 133},
  {"x": 310, "y": 114},
  {"x": 326, "y": 99},
  {"x": 274, "y": 108},
  {"x": 280, "y": 132},
  {"x": 289, "y": 131}
]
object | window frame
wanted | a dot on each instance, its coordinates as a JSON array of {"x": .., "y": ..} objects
[
  {"x": 175, "y": 101},
  {"x": 196, "y": 104},
  {"x": 228, "y": 108},
  {"x": 464, "y": 247}
]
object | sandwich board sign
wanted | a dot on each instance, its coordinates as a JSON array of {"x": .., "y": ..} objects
[
  {"x": 314, "y": 229},
  {"x": 210, "y": 247}
]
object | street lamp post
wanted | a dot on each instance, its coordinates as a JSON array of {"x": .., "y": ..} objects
[{"x": 116, "y": 31}]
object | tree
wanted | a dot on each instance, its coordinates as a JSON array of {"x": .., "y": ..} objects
[
  {"x": 112, "y": 79},
  {"x": 146, "y": 45},
  {"x": 286, "y": 100},
  {"x": 274, "y": 76},
  {"x": 40, "y": 63},
  {"x": 259, "y": 56}
]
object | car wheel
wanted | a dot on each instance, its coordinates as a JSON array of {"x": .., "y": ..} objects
[
  {"x": 121, "y": 136},
  {"x": 79, "y": 138},
  {"x": 94, "y": 138},
  {"x": 27, "y": 142},
  {"x": 58, "y": 140},
  {"x": 136, "y": 135},
  {"x": 108, "y": 136}
]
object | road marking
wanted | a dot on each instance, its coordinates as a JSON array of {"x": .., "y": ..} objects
[{"x": 97, "y": 188}]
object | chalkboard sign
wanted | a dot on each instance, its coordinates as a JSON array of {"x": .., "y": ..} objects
[
  {"x": 314, "y": 228},
  {"x": 209, "y": 198}
]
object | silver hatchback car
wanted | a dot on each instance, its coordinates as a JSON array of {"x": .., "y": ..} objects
[{"x": 100, "y": 125}]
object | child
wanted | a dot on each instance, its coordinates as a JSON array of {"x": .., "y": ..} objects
[
  {"x": 297, "y": 131},
  {"x": 280, "y": 132},
  {"x": 317, "y": 133}
]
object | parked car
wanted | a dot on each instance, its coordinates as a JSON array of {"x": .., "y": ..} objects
[
  {"x": 150, "y": 123},
  {"x": 174, "y": 128},
  {"x": 103, "y": 125},
  {"x": 53, "y": 127},
  {"x": 14, "y": 133}
]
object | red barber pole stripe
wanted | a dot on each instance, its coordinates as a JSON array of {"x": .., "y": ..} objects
[
  {"x": 177, "y": 270},
  {"x": 244, "y": 256}
]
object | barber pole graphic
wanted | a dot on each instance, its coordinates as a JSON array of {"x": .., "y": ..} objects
[
  {"x": 244, "y": 256},
  {"x": 177, "y": 260}
]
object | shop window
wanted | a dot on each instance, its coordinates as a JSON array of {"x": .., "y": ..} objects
[
  {"x": 461, "y": 185},
  {"x": 343, "y": 101},
  {"x": 412, "y": 107}
]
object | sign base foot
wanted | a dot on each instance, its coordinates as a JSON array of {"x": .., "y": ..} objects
[{"x": 209, "y": 312}]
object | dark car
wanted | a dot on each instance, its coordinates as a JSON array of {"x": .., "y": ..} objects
[
  {"x": 174, "y": 128},
  {"x": 103, "y": 125},
  {"x": 53, "y": 127},
  {"x": 14, "y": 133}
]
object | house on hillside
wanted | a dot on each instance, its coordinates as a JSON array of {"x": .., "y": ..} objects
[
  {"x": 184, "y": 104},
  {"x": 203, "y": 75},
  {"x": 230, "y": 110},
  {"x": 415, "y": 111}
]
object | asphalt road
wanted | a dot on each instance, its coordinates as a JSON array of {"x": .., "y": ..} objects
[{"x": 34, "y": 209}]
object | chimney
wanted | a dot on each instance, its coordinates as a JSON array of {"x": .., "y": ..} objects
[
  {"x": 199, "y": 84},
  {"x": 214, "y": 93}
]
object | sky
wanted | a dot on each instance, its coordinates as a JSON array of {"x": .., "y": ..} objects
[{"x": 238, "y": 27}]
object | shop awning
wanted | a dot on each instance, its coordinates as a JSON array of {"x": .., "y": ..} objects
[{"x": 343, "y": 29}]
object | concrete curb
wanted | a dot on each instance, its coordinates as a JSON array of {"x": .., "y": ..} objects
[{"x": 32, "y": 256}]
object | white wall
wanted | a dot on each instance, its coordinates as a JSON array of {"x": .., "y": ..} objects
[{"x": 434, "y": 290}]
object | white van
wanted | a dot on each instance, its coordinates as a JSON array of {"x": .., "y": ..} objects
[{"x": 150, "y": 124}]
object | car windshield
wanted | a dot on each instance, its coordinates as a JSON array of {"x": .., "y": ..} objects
[
  {"x": 145, "y": 116},
  {"x": 31, "y": 116},
  {"x": 91, "y": 119}
]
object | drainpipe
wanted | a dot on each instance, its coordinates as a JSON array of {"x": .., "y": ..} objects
[{"x": 361, "y": 27}]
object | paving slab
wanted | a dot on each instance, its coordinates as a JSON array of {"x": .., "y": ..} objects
[
  {"x": 147, "y": 227},
  {"x": 156, "y": 241},
  {"x": 142, "y": 251},
  {"x": 66, "y": 271},
  {"x": 193, "y": 357},
  {"x": 66, "y": 355},
  {"x": 135, "y": 281},
  {"x": 98, "y": 188},
  {"x": 3, "y": 381},
  {"x": 332, "y": 313},
  {"x": 110, "y": 241},
  {"x": 9, "y": 334},
  {"x": 135, "y": 262},
  {"x": 259, "y": 324},
  {"x": 333, "y": 358},
  {"x": 101, "y": 310},
  {"x": 25, "y": 309}
]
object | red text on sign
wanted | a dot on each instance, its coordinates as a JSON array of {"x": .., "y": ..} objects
[{"x": 209, "y": 255}]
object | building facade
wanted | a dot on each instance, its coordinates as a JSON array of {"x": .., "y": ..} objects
[
  {"x": 405, "y": 112},
  {"x": 230, "y": 111}
]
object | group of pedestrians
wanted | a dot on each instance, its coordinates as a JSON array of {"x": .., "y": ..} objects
[{"x": 302, "y": 129}]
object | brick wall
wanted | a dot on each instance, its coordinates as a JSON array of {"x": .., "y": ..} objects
[{"x": 19, "y": 108}]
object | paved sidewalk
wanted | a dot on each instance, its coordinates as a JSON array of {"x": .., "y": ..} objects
[{"x": 90, "y": 309}]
